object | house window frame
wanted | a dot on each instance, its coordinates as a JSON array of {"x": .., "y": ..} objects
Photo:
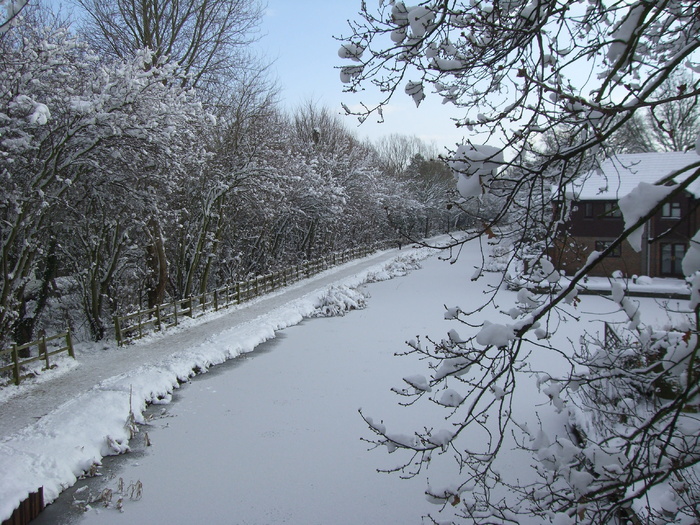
[
  {"x": 588, "y": 210},
  {"x": 611, "y": 210},
  {"x": 671, "y": 210},
  {"x": 602, "y": 245},
  {"x": 675, "y": 260}
]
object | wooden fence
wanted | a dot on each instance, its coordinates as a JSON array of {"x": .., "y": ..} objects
[
  {"x": 45, "y": 351},
  {"x": 135, "y": 325},
  {"x": 29, "y": 509}
]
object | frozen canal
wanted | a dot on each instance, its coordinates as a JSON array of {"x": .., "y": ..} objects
[{"x": 275, "y": 437}]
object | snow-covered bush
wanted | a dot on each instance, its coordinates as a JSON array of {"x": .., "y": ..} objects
[
  {"x": 499, "y": 258},
  {"x": 400, "y": 266},
  {"x": 635, "y": 389},
  {"x": 338, "y": 301}
]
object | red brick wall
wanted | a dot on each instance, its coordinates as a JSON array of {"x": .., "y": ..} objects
[
  {"x": 579, "y": 234},
  {"x": 571, "y": 254}
]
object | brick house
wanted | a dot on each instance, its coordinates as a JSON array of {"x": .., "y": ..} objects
[{"x": 594, "y": 219}]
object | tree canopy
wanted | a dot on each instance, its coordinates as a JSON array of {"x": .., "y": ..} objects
[{"x": 129, "y": 178}]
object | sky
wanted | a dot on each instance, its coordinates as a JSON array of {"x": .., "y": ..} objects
[{"x": 299, "y": 37}]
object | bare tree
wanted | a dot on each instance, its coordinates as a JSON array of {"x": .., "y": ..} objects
[
  {"x": 207, "y": 39},
  {"x": 675, "y": 124},
  {"x": 516, "y": 71},
  {"x": 669, "y": 127},
  {"x": 396, "y": 152}
]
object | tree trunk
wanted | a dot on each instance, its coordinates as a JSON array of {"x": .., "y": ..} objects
[
  {"x": 157, "y": 265},
  {"x": 23, "y": 330}
]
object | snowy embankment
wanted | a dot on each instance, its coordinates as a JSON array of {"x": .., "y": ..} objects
[{"x": 66, "y": 442}]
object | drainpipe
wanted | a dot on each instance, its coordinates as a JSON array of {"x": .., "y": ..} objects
[{"x": 647, "y": 228}]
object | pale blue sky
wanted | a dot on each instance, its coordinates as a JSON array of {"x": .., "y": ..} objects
[{"x": 299, "y": 36}]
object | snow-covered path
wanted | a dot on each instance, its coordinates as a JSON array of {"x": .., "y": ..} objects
[
  {"x": 81, "y": 410},
  {"x": 36, "y": 399}
]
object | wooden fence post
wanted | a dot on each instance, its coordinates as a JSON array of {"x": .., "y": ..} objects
[
  {"x": 69, "y": 344},
  {"x": 216, "y": 300},
  {"x": 158, "y": 319},
  {"x": 42, "y": 347},
  {"x": 15, "y": 364},
  {"x": 118, "y": 331},
  {"x": 175, "y": 311},
  {"x": 238, "y": 292}
]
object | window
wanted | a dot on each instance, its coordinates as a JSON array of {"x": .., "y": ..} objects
[
  {"x": 603, "y": 245},
  {"x": 588, "y": 210},
  {"x": 611, "y": 210},
  {"x": 671, "y": 258},
  {"x": 671, "y": 210}
]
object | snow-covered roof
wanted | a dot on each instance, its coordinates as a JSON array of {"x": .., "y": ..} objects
[{"x": 620, "y": 174}]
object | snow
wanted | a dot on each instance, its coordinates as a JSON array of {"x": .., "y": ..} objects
[
  {"x": 624, "y": 32},
  {"x": 419, "y": 382},
  {"x": 82, "y": 412},
  {"x": 471, "y": 163},
  {"x": 639, "y": 202},
  {"x": 415, "y": 91},
  {"x": 450, "y": 398},
  {"x": 618, "y": 175},
  {"x": 691, "y": 260},
  {"x": 351, "y": 51},
  {"x": 420, "y": 19},
  {"x": 40, "y": 115},
  {"x": 642, "y": 284},
  {"x": 495, "y": 334},
  {"x": 275, "y": 437}
]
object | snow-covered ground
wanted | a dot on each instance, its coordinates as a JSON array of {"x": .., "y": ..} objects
[
  {"x": 55, "y": 427},
  {"x": 274, "y": 438}
]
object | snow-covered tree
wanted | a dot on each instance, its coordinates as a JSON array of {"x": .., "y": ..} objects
[
  {"x": 208, "y": 40},
  {"x": 208, "y": 210},
  {"x": 516, "y": 71},
  {"x": 78, "y": 134}
]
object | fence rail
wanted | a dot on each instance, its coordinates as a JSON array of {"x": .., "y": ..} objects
[
  {"x": 45, "y": 351},
  {"x": 135, "y": 325}
]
